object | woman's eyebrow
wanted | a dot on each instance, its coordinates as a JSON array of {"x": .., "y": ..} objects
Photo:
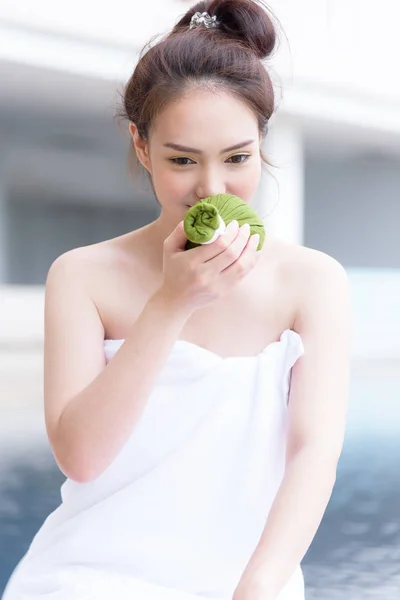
[{"x": 195, "y": 151}]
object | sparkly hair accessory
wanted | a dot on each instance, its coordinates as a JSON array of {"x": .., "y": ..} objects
[{"x": 203, "y": 19}]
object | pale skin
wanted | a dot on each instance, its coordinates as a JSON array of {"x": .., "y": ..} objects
[{"x": 143, "y": 288}]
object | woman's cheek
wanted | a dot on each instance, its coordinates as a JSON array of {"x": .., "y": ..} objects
[
  {"x": 173, "y": 186},
  {"x": 246, "y": 188},
  {"x": 163, "y": 182},
  {"x": 179, "y": 183}
]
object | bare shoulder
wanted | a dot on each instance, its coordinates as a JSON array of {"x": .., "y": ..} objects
[
  {"x": 300, "y": 265},
  {"x": 310, "y": 277},
  {"x": 110, "y": 275},
  {"x": 91, "y": 261},
  {"x": 77, "y": 258}
]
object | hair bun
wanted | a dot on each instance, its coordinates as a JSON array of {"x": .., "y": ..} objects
[{"x": 247, "y": 21}]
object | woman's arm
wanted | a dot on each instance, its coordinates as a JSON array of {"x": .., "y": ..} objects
[
  {"x": 90, "y": 408},
  {"x": 317, "y": 413}
]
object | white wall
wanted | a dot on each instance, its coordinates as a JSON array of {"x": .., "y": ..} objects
[
  {"x": 346, "y": 43},
  {"x": 352, "y": 209}
]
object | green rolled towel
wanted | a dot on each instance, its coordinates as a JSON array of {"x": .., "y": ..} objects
[{"x": 207, "y": 219}]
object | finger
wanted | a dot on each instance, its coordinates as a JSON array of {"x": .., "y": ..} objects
[
  {"x": 245, "y": 263},
  {"x": 177, "y": 240},
  {"x": 231, "y": 254},
  {"x": 207, "y": 252}
]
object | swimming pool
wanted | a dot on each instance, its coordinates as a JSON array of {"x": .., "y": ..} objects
[{"x": 356, "y": 552}]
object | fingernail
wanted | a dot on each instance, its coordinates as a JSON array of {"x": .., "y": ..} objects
[
  {"x": 245, "y": 227},
  {"x": 233, "y": 224},
  {"x": 255, "y": 238}
]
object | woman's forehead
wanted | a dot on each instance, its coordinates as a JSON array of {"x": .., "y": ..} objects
[{"x": 202, "y": 116}]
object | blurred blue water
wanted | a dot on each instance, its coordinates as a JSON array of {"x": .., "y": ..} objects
[{"x": 355, "y": 554}]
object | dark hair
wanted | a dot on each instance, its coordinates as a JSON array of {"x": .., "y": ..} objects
[{"x": 226, "y": 58}]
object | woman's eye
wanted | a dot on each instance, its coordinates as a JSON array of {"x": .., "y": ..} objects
[
  {"x": 244, "y": 156},
  {"x": 175, "y": 161}
]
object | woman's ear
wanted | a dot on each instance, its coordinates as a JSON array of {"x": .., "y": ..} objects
[{"x": 141, "y": 147}]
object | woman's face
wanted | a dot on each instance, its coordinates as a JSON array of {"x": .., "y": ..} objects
[{"x": 190, "y": 153}]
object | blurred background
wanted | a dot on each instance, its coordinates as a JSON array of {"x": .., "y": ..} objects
[{"x": 64, "y": 182}]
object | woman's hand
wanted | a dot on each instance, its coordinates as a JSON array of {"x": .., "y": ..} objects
[{"x": 194, "y": 278}]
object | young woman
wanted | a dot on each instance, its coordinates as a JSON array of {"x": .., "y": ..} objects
[{"x": 195, "y": 400}]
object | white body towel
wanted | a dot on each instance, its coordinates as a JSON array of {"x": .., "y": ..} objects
[{"x": 179, "y": 512}]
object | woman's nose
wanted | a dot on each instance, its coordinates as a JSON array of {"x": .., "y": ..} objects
[{"x": 209, "y": 185}]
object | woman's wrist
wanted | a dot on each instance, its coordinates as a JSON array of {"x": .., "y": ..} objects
[{"x": 164, "y": 302}]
